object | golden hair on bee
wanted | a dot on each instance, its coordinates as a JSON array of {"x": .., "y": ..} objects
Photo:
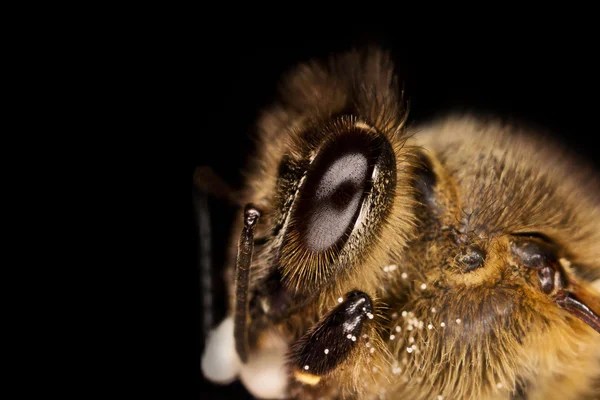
[{"x": 454, "y": 260}]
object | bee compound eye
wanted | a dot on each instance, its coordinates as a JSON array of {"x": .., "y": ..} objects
[
  {"x": 338, "y": 181},
  {"x": 340, "y": 207},
  {"x": 334, "y": 201}
]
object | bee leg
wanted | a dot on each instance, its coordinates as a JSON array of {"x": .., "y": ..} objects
[
  {"x": 331, "y": 341},
  {"x": 580, "y": 302},
  {"x": 569, "y": 293}
]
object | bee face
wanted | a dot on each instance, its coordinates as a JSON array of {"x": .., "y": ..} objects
[{"x": 455, "y": 260}]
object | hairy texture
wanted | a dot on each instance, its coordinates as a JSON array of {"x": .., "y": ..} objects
[
  {"x": 493, "y": 329},
  {"x": 456, "y": 314}
]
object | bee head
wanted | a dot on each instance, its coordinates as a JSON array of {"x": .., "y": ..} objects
[{"x": 456, "y": 260}]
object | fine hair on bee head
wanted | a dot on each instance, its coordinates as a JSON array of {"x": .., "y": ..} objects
[{"x": 458, "y": 259}]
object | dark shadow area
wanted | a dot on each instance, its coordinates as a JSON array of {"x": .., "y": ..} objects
[{"x": 545, "y": 80}]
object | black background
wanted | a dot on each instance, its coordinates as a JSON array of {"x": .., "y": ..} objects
[{"x": 544, "y": 76}]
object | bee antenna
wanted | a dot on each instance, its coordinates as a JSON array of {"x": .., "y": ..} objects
[{"x": 242, "y": 278}]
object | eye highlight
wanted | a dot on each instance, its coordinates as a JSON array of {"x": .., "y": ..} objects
[
  {"x": 332, "y": 197},
  {"x": 354, "y": 170}
]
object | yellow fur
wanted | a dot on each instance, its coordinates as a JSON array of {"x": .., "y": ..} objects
[{"x": 494, "y": 180}]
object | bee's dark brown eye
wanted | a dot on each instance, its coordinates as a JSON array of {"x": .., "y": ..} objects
[{"x": 332, "y": 196}]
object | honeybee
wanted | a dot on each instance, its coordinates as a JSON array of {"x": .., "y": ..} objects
[{"x": 458, "y": 259}]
